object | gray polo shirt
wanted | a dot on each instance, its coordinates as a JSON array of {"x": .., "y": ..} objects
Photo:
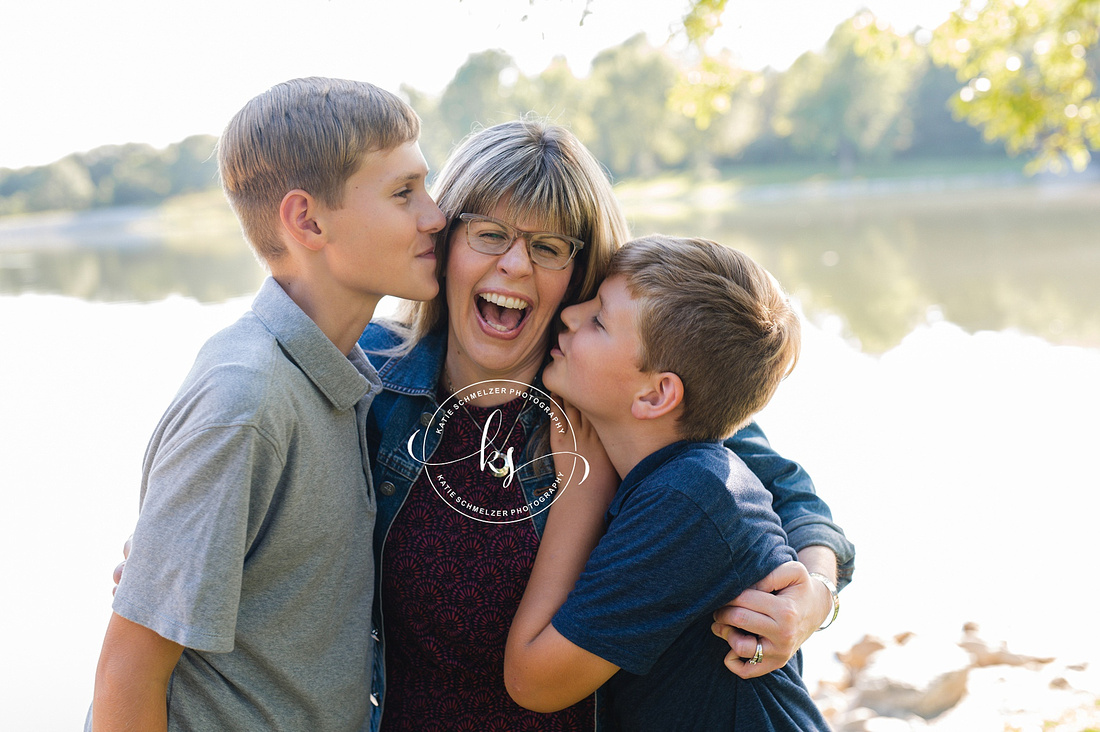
[{"x": 253, "y": 547}]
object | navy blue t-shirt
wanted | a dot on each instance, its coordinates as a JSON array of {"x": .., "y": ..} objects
[{"x": 690, "y": 528}]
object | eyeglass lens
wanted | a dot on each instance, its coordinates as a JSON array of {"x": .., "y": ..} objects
[{"x": 490, "y": 237}]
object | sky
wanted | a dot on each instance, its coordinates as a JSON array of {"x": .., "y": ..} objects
[{"x": 77, "y": 74}]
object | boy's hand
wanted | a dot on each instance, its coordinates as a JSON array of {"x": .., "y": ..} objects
[
  {"x": 780, "y": 613},
  {"x": 122, "y": 565}
]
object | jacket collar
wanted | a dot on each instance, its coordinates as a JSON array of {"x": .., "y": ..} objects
[{"x": 419, "y": 370}]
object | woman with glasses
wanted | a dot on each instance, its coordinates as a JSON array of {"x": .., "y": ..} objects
[{"x": 456, "y": 451}]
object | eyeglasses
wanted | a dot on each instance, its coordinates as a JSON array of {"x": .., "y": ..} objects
[{"x": 492, "y": 236}]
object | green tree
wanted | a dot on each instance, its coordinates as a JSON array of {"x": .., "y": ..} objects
[
  {"x": 141, "y": 177},
  {"x": 1030, "y": 75},
  {"x": 635, "y": 130},
  {"x": 936, "y": 131},
  {"x": 192, "y": 165},
  {"x": 478, "y": 95},
  {"x": 436, "y": 140},
  {"x": 557, "y": 94},
  {"x": 852, "y": 101},
  {"x": 61, "y": 185}
]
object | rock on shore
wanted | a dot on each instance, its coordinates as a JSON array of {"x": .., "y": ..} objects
[{"x": 910, "y": 682}]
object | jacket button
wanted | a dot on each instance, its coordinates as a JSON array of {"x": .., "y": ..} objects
[
  {"x": 426, "y": 419},
  {"x": 374, "y": 634},
  {"x": 387, "y": 488}
]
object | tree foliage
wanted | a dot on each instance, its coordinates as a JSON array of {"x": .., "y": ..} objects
[
  {"x": 1029, "y": 70},
  {"x": 1030, "y": 73}
]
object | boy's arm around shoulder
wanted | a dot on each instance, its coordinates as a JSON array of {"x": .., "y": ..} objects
[
  {"x": 131, "y": 679},
  {"x": 543, "y": 670},
  {"x": 674, "y": 551}
]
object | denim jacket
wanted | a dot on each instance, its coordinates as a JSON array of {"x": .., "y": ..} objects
[{"x": 406, "y": 405}]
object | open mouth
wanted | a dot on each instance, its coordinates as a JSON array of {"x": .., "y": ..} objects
[{"x": 501, "y": 313}]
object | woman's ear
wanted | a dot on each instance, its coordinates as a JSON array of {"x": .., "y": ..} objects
[
  {"x": 665, "y": 392},
  {"x": 298, "y": 216}
]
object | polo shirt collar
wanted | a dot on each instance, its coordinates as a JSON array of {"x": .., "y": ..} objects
[
  {"x": 344, "y": 380},
  {"x": 656, "y": 459}
]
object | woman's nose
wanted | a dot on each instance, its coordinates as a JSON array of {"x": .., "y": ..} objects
[{"x": 516, "y": 261}]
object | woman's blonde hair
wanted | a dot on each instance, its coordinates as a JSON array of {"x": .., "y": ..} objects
[
  {"x": 542, "y": 173},
  {"x": 312, "y": 134}
]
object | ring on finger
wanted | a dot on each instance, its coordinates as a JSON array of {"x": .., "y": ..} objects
[{"x": 758, "y": 656}]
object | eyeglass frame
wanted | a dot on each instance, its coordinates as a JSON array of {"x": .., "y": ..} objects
[{"x": 516, "y": 233}]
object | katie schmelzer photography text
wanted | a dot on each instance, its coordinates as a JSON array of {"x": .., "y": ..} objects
[{"x": 494, "y": 457}]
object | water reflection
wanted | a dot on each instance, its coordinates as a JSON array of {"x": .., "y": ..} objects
[
  {"x": 880, "y": 262},
  {"x": 1021, "y": 258},
  {"x": 131, "y": 274},
  {"x": 191, "y": 246}
]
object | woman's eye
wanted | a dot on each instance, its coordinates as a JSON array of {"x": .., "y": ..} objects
[
  {"x": 556, "y": 247},
  {"x": 404, "y": 193}
]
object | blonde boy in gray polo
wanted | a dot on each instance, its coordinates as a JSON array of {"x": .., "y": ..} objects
[{"x": 246, "y": 599}]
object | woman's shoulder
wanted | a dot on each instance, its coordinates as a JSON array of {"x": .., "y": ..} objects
[
  {"x": 403, "y": 362},
  {"x": 382, "y": 335},
  {"x": 382, "y": 341}
]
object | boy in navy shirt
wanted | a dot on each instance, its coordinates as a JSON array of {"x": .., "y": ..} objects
[{"x": 685, "y": 341}]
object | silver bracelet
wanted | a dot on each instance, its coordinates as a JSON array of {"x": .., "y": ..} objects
[{"x": 832, "y": 591}]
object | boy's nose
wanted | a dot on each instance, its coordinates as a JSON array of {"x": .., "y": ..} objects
[
  {"x": 433, "y": 220},
  {"x": 569, "y": 316}
]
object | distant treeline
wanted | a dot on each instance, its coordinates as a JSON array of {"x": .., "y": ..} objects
[
  {"x": 113, "y": 175},
  {"x": 847, "y": 104}
]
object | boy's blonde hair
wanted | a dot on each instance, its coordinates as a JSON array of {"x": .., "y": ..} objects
[
  {"x": 542, "y": 172},
  {"x": 311, "y": 134},
  {"x": 715, "y": 318}
]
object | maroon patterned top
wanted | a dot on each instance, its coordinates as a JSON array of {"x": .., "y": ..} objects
[{"x": 450, "y": 587}]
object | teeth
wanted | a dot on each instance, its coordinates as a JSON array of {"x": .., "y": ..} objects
[{"x": 512, "y": 303}]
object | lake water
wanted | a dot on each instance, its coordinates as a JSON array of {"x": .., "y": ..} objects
[{"x": 946, "y": 404}]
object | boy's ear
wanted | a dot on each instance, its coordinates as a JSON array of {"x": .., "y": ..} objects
[
  {"x": 298, "y": 215},
  {"x": 665, "y": 393}
]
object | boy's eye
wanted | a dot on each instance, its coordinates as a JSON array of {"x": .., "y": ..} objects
[{"x": 403, "y": 193}]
